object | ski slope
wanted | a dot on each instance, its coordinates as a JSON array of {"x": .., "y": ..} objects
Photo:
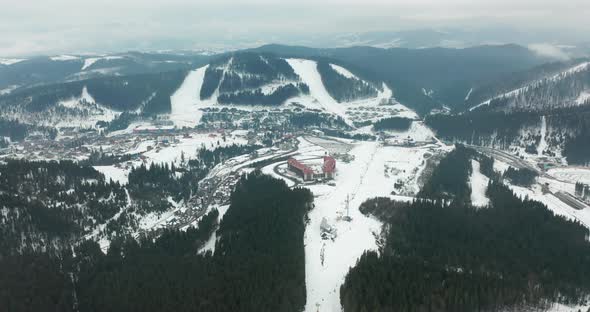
[
  {"x": 373, "y": 172},
  {"x": 344, "y": 72},
  {"x": 186, "y": 101},
  {"x": 308, "y": 72},
  {"x": 479, "y": 184}
]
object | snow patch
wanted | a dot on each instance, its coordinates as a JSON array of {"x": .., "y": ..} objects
[
  {"x": 64, "y": 58},
  {"x": 10, "y": 61},
  {"x": 91, "y": 60},
  {"x": 479, "y": 185},
  {"x": 344, "y": 72},
  {"x": 583, "y": 98}
]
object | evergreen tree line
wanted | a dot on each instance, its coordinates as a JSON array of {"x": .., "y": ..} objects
[
  {"x": 241, "y": 71},
  {"x": 568, "y": 128},
  {"x": 522, "y": 177},
  {"x": 393, "y": 123},
  {"x": 150, "y": 92},
  {"x": 449, "y": 180},
  {"x": 257, "y": 97},
  {"x": 258, "y": 263},
  {"x": 514, "y": 255},
  {"x": 48, "y": 204}
]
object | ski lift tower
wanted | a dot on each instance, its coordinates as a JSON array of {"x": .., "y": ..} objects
[{"x": 347, "y": 217}]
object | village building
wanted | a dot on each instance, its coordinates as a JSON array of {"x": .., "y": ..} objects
[{"x": 304, "y": 171}]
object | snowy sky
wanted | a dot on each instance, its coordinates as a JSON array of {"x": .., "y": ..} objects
[{"x": 29, "y": 27}]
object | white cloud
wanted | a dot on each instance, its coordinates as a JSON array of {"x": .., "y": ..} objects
[
  {"x": 57, "y": 26},
  {"x": 549, "y": 50}
]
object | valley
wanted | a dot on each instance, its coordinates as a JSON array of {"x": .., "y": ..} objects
[{"x": 174, "y": 155}]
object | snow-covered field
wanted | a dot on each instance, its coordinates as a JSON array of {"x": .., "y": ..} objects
[{"x": 571, "y": 174}]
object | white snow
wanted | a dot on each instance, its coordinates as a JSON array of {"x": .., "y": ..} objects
[
  {"x": 571, "y": 174},
  {"x": 91, "y": 60},
  {"x": 543, "y": 143},
  {"x": 8, "y": 90},
  {"x": 468, "y": 94},
  {"x": 186, "y": 100},
  {"x": 372, "y": 173},
  {"x": 309, "y": 74},
  {"x": 10, "y": 61},
  {"x": 583, "y": 98},
  {"x": 113, "y": 173},
  {"x": 343, "y": 71},
  {"x": 479, "y": 185},
  {"x": 64, "y": 58}
]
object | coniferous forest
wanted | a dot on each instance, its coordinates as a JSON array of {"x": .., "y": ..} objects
[
  {"x": 257, "y": 265},
  {"x": 450, "y": 256}
]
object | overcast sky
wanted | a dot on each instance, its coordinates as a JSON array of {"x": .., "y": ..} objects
[{"x": 32, "y": 27}]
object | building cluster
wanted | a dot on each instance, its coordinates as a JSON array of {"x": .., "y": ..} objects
[{"x": 307, "y": 173}]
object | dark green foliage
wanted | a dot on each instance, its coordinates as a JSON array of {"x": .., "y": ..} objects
[
  {"x": 486, "y": 166},
  {"x": 393, "y": 123},
  {"x": 515, "y": 80},
  {"x": 121, "y": 122},
  {"x": 458, "y": 258},
  {"x": 150, "y": 92},
  {"x": 480, "y": 128},
  {"x": 13, "y": 129},
  {"x": 256, "y": 97},
  {"x": 449, "y": 178},
  {"x": 247, "y": 71},
  {"x": 43, "y": 200},
  {"x": 258, "y": 263},
  {"x": 210, "y": 82},
  {"x": 210, "y": 158},
  {"x": 522, "y": 177},
  {"x": 341, "y": 88},
  {"x": 577, "y": 149},
  {"x": 34, "y": 282}
]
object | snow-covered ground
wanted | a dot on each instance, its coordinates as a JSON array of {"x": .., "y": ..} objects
[
  {"x": 113, "y": 173},
  {"x": 373, "y": 172},
  {"x": 10, "y": 61},
  {"x": 571, "y": 174},
  {"x": 186, "y": 101},
  {"x": 557, "y": 180},
  {"x": 64, "y": 58},
  {"x": 479, "y": 184},
  {"x": 91, "y": 60},
  {"x": 8, "y": 89}
]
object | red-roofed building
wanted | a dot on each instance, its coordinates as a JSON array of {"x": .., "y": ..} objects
[
  {"x": 329, "y": 167},
  {"x": 307, "y": 173}
]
